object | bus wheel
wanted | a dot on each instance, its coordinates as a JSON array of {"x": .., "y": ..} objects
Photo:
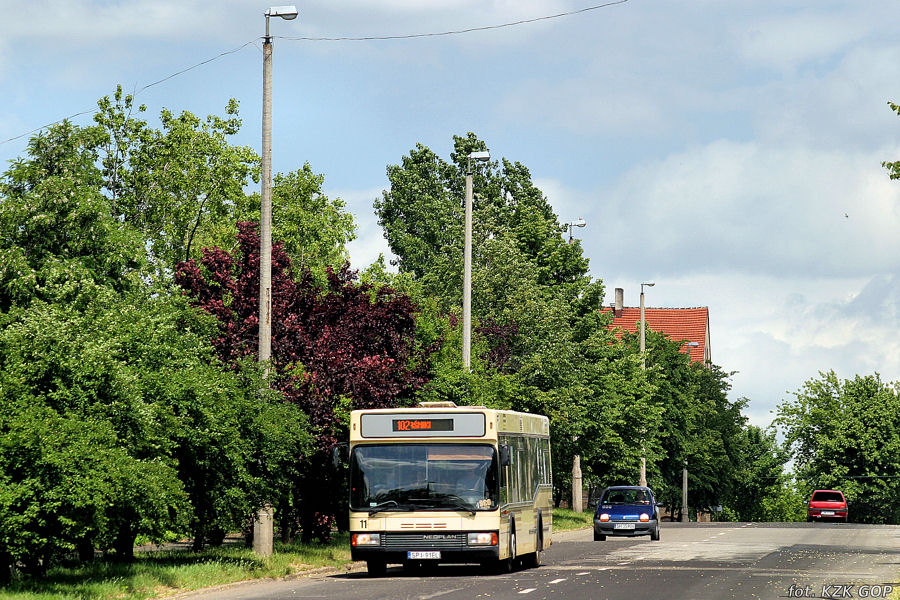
[
  {"x": 537, "y": 559},
  {"x": 510, "y": 563},
  {"x": 376, "y": 568}
]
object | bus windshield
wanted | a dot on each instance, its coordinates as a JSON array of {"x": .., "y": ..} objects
[{"x": 406, "y": 477}]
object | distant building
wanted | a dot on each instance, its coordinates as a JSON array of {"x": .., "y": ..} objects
[{"x": 691, "y": 324}]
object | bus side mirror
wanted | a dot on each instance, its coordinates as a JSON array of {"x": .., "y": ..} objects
[
  {"x": 505, "y": 456},
  {"x": 337, "y": 455}
]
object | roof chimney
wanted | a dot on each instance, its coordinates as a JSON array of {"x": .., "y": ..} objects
[{"x": 620, "y": 301}]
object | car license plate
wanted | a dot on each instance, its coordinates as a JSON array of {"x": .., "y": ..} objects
[
  {"x": 623, "y": 526},
  {"x": 827, "y": 513},
  {"x": 423, "y": 555}
]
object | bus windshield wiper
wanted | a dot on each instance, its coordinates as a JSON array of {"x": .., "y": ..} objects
[
  {"x": 385, "y": 505},
  {"x": 459, "y": 503},
  {"x": 452, "y": 499}
]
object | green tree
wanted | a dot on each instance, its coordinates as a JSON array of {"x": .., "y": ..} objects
[
  {"x": 146, "y": 371},
  {"x": 422, "y": 215},
  {"x": 56, "y": 228},
  {"x": 761, "y": 489},
  {"x": 845, "y": 434},
  {"x": 66, "y": 484},
  {"x": 540, "y": 344},
  {"x": 176, "y": 185},
  {"x": 314, "y": 230},
  {"x": 182, "y": 186},
  {"x": 92, "y": 355}
]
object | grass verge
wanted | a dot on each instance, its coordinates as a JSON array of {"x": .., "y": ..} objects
[
  {"x": 565, "y": 519},
  {"x": 164, "y": 573}
]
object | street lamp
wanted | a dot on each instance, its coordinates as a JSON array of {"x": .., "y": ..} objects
[
  {"x": 482, "y": 156},
  {"x": 263, "y": 534},
  {"x": 265, "y": 219},
  {"x": 643, "y": 366},
  {"x": 579, "y": 223}
]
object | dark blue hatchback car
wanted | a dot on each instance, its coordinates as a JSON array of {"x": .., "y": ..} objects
[{"x": 626, "y": 510}]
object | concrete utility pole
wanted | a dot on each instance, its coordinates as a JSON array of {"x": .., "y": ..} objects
[
  {"x": 467, "y": 261},
  {"x": 643, "y": 366},
  {"x": 577, "y": 485},
  {"x": 265, "y": 217},
  {"x": 263, "y": 530},
  {"x": 577, "y": 481},
  {"x": 684, "y": 505}
]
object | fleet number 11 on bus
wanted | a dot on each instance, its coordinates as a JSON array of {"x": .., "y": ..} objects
[{"x": 441, "y": 483}]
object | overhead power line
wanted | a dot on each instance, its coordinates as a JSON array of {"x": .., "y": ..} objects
[
  {"x": 199, "y": 64},
  {"x": 149, "y": 85},
  {"x": 337, "y": 39},
  {"x": 456, "y": 31}
]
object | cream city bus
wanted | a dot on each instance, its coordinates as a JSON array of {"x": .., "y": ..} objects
[{"x": 440, "y": 483}]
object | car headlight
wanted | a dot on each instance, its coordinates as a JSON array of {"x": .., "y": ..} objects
[
  {"x": 483, "y": 538},
  {"x": 604, "y": 517},
  {"x": 644, "y": 517},
  {"x": 365, "y": 539}
]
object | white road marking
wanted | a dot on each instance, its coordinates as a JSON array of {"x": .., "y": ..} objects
[
  {"x": 583, "y": 573},
  {"x": 812, "y": 574},
  {"x": 559, "y": 580},
  {"x": 528, "y": 591},
  {"x": 439, "y": 594}
]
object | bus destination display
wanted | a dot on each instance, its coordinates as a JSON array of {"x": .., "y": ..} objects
[{"x": 422, "y": 425}]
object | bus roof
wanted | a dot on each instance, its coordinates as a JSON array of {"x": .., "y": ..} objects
[{"x": 444, "y": 421}]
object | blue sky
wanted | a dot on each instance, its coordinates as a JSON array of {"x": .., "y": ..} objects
[{"x": 730, "y": 151}]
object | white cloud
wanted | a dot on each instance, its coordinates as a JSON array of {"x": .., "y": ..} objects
[
  {"x": 751, "y": 208},
  {"x": 845, "y": 106},
  {"x": 785, "y": 41},
  {"x": 586, "y": 106}
]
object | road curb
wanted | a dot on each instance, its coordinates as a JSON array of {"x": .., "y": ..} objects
[{"x": 352, "y": 567}]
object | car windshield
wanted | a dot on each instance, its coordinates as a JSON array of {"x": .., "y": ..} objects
[
  {"x": 625, "y": 496},
  {"x": 828, "y": 497},
  {"x": 404, "y": 477}
]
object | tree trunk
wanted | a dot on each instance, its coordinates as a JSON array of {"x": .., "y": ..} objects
[
  {"x": 85, "y": 548},
  {"x": 124, "y": 543},
  {"x": 6, "y": 567},
  {"x": 216, "y": 537},
  {"x": 199, "y": 538}
]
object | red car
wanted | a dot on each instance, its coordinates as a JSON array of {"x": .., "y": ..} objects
[{"x": 825, "y": 505}]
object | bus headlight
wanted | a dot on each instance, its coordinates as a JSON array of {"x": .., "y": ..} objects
[
  {"x": 365, "y": 539},
  {"x": 483, "y": 538}
]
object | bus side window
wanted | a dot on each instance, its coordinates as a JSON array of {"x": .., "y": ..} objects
[{"x": 505, "y": 455}]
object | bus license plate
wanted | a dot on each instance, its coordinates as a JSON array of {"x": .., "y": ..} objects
[
  {"x": 624, "y": 526},
  {"x": 423, "y": 555}
]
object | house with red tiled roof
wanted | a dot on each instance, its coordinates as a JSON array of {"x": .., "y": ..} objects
[{"x": 691, "y": 324}]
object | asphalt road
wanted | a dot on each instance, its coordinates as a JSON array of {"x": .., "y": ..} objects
[{"x": 693, "y": 561}]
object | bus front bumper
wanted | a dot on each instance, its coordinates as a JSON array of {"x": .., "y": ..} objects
[
  {"x": 449, "y": 547},
  {"x": 394, "y": 556}
]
